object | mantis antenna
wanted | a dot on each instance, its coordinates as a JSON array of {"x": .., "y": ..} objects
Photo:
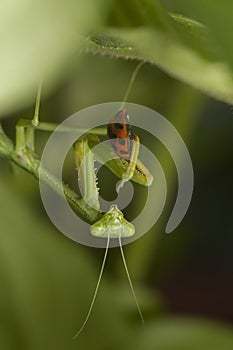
[
  {"x": 96, "y": 290},
  {"x": 130, "y": 282}
]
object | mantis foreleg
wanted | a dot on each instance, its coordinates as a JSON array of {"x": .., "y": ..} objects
[{"x": 84, "y": 160}]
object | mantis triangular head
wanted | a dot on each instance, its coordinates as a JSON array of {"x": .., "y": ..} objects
[{"x": 112, "y": 225}]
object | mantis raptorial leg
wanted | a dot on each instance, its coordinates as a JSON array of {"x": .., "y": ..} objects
[{"x": 111, "y": 225}]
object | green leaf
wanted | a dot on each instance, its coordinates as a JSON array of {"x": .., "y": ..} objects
[
  {"x": 180, "y": 46},
  {"x": 211, "y": 77},
  {"x": 41, "y": 39}
]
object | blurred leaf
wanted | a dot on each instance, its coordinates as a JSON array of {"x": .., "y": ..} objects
[
  {"x": 218, "y": 16},
  {"x": 47, "y": 282},
  {"x": 135, "y": 13},
  {"x": 180, "y": 46},
  {"x": 40, "y": 272},
  {"x": 40, "y": 39},
  {"x": 184, "y": 333}
]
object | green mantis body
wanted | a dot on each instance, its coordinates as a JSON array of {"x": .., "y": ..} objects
[{"x": 111, "y": 225}]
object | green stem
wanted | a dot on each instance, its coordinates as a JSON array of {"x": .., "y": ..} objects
[
  {"x": 28, "y": 161},
  {"x": 35, "y": 120},
  {"x": 6, "y": 145},
  {"x": 50, "y": 127}
]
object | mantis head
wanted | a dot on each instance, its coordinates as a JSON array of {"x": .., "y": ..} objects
[{"x": 112, "y": 225}]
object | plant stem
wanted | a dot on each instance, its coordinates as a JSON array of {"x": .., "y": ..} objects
[{"x": 28, "y": 161}]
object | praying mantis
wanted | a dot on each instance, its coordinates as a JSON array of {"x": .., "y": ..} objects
[{"x": 123, "y": 146}]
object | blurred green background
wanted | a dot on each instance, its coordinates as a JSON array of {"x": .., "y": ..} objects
[{"x": 183, "y": 280}]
